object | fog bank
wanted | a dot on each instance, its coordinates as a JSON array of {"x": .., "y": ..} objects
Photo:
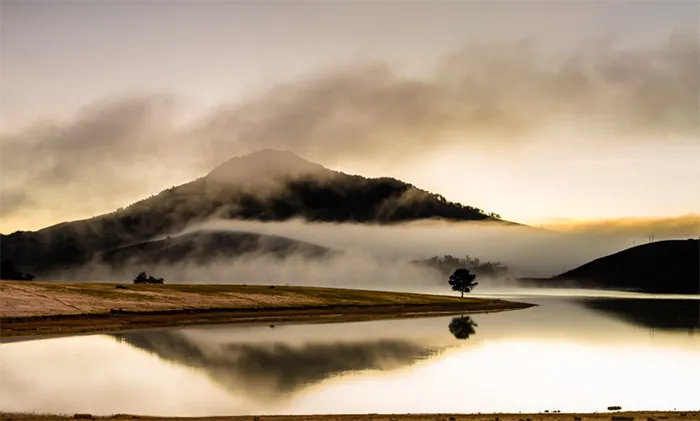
[{"x": 379, "y": 256}]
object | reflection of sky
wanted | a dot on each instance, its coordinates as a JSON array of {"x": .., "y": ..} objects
[
  {"x": 95, "y": 374},
  {"x": 518, "y": 375},
  {"x": 555, "y": 356}
]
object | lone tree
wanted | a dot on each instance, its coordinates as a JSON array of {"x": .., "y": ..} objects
[
  {"x": 462, "y": 327},
  {"x": 142, "y": 278},
  {"x": 462, "y": 280}
]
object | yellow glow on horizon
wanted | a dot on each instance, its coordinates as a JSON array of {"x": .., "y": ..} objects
[{"x": 542, "y": 181}]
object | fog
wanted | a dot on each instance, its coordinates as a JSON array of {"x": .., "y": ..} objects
[
  {"x": 492, "y": 96},
  {"x": 379, "y": 256},
  {"x": 527, "y": 251},
  {"x": 355, "y": 270}
]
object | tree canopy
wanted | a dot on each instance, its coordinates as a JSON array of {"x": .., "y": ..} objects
[
  {"x": 462, "y": 280},
  {"x": 448, "y": 264},
  {"x": 142, "y": 278}
]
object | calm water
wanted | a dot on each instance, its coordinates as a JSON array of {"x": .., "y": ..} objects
[{"x": 568, "y": 354}]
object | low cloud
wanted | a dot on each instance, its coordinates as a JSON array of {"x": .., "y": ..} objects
[
  {"x": 486, "y": 95},
  {"x": 380, "y": 256}
]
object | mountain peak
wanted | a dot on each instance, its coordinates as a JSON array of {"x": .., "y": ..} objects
[
  {"x": 264, "y": 165},
  {"x": 273, "y": 154}
]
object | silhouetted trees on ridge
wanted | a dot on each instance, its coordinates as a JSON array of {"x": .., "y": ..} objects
[
  {"x": 142, "y": 278},
  {"x": 448, "y": 264}
]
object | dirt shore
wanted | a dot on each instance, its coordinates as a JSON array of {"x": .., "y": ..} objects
[
  {"x": 598, "y": 416},
  {"x": 57, "y": 308}
]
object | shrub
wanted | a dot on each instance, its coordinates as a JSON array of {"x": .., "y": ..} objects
[{"x": 142, "y": 278}]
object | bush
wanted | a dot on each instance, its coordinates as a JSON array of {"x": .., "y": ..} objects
[{"x": 142, "y": 278}]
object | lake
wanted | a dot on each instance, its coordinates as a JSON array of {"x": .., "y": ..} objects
[{"x": 578, "y": 353}]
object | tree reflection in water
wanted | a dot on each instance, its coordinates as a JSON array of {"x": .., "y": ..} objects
[{"x": 462, "y": 327}]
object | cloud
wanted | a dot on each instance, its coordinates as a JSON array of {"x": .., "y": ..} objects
[
  {"x": 16, "y": 199},
  {"x": 485, "y": 95},
  {"x": 110, "y": 150},
  {"x": 685, "y": 226},
  {"x": 379, "y": 256}
]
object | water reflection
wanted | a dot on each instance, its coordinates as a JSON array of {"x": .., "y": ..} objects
[
  {"x": 527, "y": 360},
  {"x": 661, "y": 314},
  {"x": 462, "y": 327},
  {"x": 272, "y": 370}
]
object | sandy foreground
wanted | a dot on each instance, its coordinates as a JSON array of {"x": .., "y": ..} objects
[
  {"x": 59, "y": 308},
  {"x": 598, "y": 416}
]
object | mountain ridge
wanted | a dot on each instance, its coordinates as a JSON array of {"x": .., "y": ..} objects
[{"x": 267, "y": 185}]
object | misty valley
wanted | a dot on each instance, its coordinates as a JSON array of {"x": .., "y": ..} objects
[{"x": 274, "y": 217}]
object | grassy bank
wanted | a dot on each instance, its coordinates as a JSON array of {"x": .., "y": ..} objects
[
  {"x": 597, "y": 416},
  {"x": 50, "y": 308}
]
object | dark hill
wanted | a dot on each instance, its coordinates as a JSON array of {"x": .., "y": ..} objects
[
  {"x": 203, "y": 247},
  {"x": 265, "y": 186},
  {"x": 8, "y": 271},
  {"x": 671, "y": 266}
]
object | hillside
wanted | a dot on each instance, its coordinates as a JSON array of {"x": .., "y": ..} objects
[
  {"x": 671, "y": 266},
  {"x": 265, "y": 186},
  {"x": 206, "y": 246}
]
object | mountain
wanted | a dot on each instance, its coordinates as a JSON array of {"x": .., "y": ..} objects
[
  {"x": 671, "y": 266},
  {"x": 267, "y": 185},
  {"x": 206, "y": 246}
]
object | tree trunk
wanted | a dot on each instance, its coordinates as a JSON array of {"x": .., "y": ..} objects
[{"x": 462, "y": 294}]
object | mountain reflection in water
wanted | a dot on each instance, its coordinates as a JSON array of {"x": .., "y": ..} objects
[
  {"x": 675, "y": 314},
  {"x": 276, "y": 368},
  {"x": 558, "y": 355}
]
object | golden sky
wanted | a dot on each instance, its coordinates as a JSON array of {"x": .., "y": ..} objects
[{"x": 534, "y": 110}]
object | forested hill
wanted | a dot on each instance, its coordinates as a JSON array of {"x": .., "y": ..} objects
[{"x": 266, "y": 186}]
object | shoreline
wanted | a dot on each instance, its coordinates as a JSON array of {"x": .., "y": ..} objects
[
  {"x": 78, "y": 324},
  {"x": 542, "y": 416},
  {"x": 91, "y": 308}
]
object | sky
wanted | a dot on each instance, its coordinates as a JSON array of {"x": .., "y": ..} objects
[{"x": 535, "y": 110}]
